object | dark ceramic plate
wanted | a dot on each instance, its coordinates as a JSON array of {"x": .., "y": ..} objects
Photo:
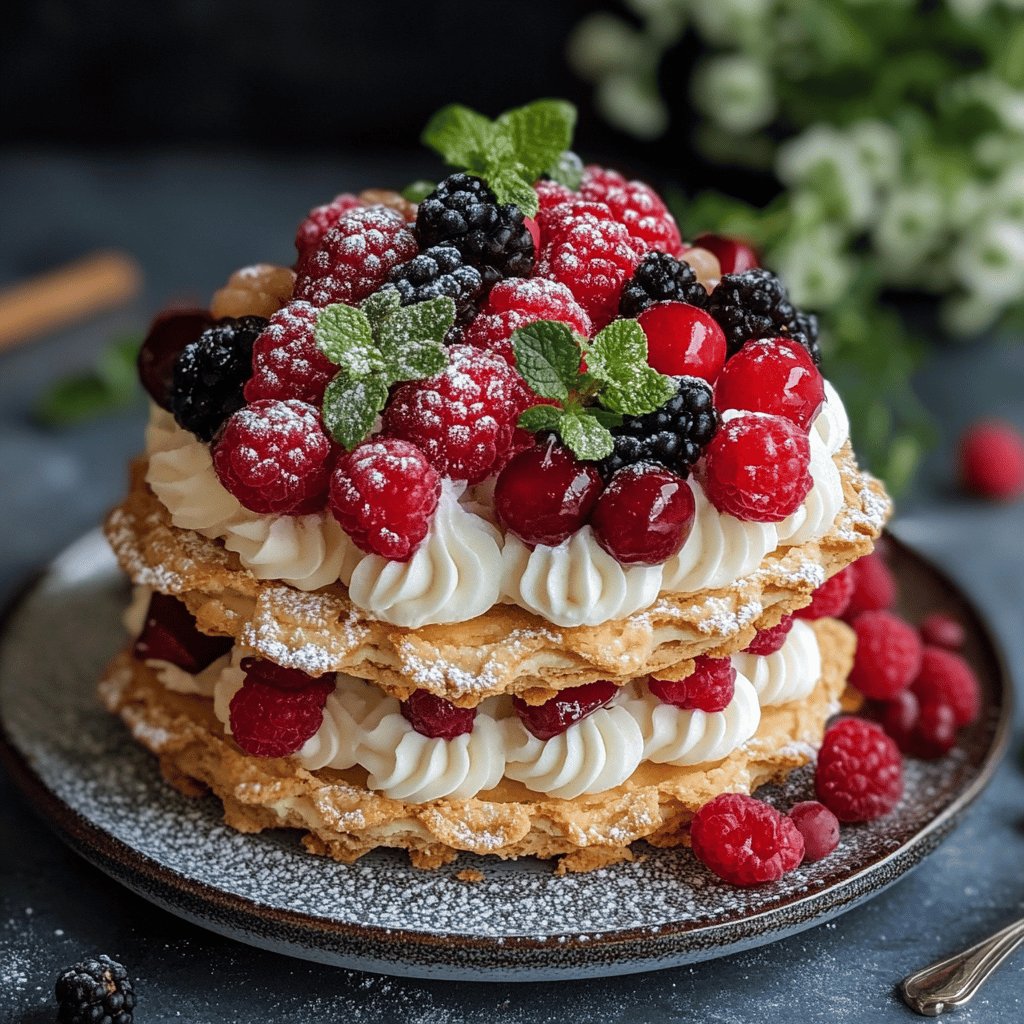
[{"x": 105, "y": 797}]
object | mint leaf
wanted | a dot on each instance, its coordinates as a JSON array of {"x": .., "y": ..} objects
[
  {"x": 605, "y": 417},
  {"x": 344, "y": 335},
  {"x": 567, "y": 170},
  {"x": 584, "y": 435},
  {"x": 642, "y": 391},
  {"x": 460, "y": 135},
  {"x": 540, "y": 417},
  {"x": 548, "y": 356},
  {"x": 536, "y": 134},
  {"x": 416, "y": 360},
  {"x": 511, "y": 186},
  {"x": 417, "y": 191},
  {"x": 618, "y": 358},
  {"x": 429, "y": 320},
  {"x": 380, "y": 305},
  {"x": 351, "y": 407}
]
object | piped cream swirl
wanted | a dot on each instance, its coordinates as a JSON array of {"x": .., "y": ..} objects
[
  {"x": 790, "y": 673},
  {"x": 814, "y": 518},
  {"x": 832, "y": 424}
]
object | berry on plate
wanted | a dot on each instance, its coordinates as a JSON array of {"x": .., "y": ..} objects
[
  {"x": 888, "y": 655},
  {"x": 942, "y": 630},
  {"x": 831, "y": 599},
  {"x": 945, "y": 677},
  {"x": 681, "y": 338},
  {"x": 710, "y": 687},
  {"x": 768, "y": 641},
  {"x": 733, "y": 255},
  {"x": 859, "y": 776},
  {"x": 436, "y": 717},
  {"x": 819, "y": 827},
  {"x": 662, "y": 278},
  {"x": 874, "y": 586},
  {"x": 169, "y": 633},
  {"x": 572, "y": 705},
  {"x": 992, "y": 460}
]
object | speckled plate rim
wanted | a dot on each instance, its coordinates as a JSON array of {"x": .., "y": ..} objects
[{"x": 509, "y": 958}]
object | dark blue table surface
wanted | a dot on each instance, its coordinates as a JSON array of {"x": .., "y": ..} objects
[{"x": 190, "y": 220}]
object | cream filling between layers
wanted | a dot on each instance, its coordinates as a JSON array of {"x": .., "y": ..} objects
[{"x": 790, "y": 673}]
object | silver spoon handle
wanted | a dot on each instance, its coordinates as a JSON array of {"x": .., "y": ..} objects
[{"x": 952, "y": 982}]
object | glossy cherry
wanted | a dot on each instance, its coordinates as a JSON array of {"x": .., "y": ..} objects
[
  {"x": 682, "y": 339},
  {"x": 436, "y": 717},
  {"x": 571, "y": 705},
  {"x": 169, "y": 333},
  {"x": 734, "y": 255},
  {"x": 170, "y": 634}
]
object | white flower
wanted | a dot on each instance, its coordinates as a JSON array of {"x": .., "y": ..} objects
[
  {"x": 602, "y": 44},
  {"x": 879, "y": 149},
  {"x": 814, "y": 266},
  {"x": 631, "y": 106},
  {"x": 910, "y": 226},
  {"x": 989, "y": 261},
  {"x": 968, "y": 314},
  {"x": 970, "y": 9},
  {"x": 663, "y": 20},
  {"x": 736, "y": 92},
  {"x": 1006, "y": 195},
  {"x": 730, "y": 22}
]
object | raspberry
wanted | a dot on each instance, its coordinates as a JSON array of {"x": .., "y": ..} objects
[
  {"x": 463, "y": 212},
  {"x": 436, "y": 717},
  {"x": 935, "y": 732},
  {"x": 745, "y": 841},
  {"x": 819, "y": 827},
  {"x": 552, "y": 193},
  {"x": 169, "y": 633},
  {"x": 544, "y": 494},
  {"x": 515, "y": 303},
  {"x": 829, "y": 601},
  {"x": 259, "y": 290},
  {"x": 992, "y": 460},
  {"x": 355, "y": 257},
  {"x": 168, "y": 334},
  {"x": 673, "y": 436},
  {"x": 571, "y": 705},
  {"x": 860, "y": 772},
  {"x": 644, "y": 515},
  {"x": 464, "y": 417},
  {"x": 941, "y": 630},
  {"x": 210, "y": 374},
  {"x": 439, "y": 271},
  {"x": 757, "y": 468},
  {"x": 874, "y": 586},
  {"x": 773, "y": 375},
  {"x": 945, "y": 677},
  {"x": 661, "y": 278},
  {"x": 384, "y": 493},
  {"x": 267, "y": 721},
  {"x": 280, "y": 678},
  {"x": 635, "y": 205},
  {"x": 321, "y": 219},
  {"x": 888, "y": 655},
  {"x": 590, "y": 253},
  {"x": 768, "y": 641},
  {"x": 682, "y": 339},
  {"x": 95, "y": 991},
  {"x": 733, "y": 256},
  {"x": 710, "y": 687},
  {"x": 899, "y": 718},
  {"x": 286, "y": 361},
  {"x": 389, "y": 197},
  {"x": 274, "y": 457}
]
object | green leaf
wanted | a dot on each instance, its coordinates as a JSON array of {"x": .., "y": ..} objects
[
  {"x": 351, "y": 407},
  {"x": 416, "y": 360},
  {"x": 535, "y": 135},
  {"x": 380, "y": 305},
  {"x": 460, "y": 135},
  {"x": 567, "y": 170},
  {"x": 540, "y": 417},
  {"x": 606, "y": 417},
  {"x": 344, "y": 335},
  {"x": 511, "y": 186},
  {"x": 585, "y": 435},
  {"x": 418, "y": 190},
  {"x": 548, "y": 356},
  {"x": 642, "y": 391},
  {"x": 429, "y": 320},
  {"x": 618, "y": 357}
]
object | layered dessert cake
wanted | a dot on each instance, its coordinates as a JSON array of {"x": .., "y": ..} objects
[{"x": 505, "y": 522}]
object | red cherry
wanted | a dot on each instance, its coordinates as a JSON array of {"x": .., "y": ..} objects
[
  {"x": 644, "y": 515},
  {"x": 899, "y": 718},
  {"x": 170, "y": 634},
  {"x": 544, "y": 494},
  {"x": 734, "y": 256},
  {"x": 436, "y": 717},
  {"x": 819, "y": 827},
  {"x": 772, "y": 375},
  {"x": 710, "y": 687},
  {"x": 534, "y": 228},
  {"x": 682, "y": 339},
  {"x": 571, "y": 705},
  {"x": 169, "y": 333}
]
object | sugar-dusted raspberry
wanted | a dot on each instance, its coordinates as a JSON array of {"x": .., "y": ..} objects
[
  {"x": 321, "y": 219},
  {"x": 259, "y": 290},
  {"x": 874, "y": 586},
  {"x": 945, "y": 677},
  {"x": 384, "y": 493},
  {"x": 830, "y": 600},
  {"x": 757, "y": 468},
  {"x": 710, "y": 687},
  {"x": 463, "y": 418},
  {"x": 819, "y": 827},
  {"x": 773, "y": 375},
  {"x": 545, "y": 494},
  {"x": 992, "y": 460},
  {"x": 768, "y": 641},
  {"x": 286, "y": 362},
  {"x": 745, "y": 841},
  {"x": 389, "y": 197},
  {"x": 436, "y": 717},
  {"x": 551, "y": 193},
  {"x": 268, "y": 721},
  {"x": 942, "y": 630},
  {"x": 682, "y": 339},
  {"x": 517, "y": 302},
  {"x": 169, "y": 633},
  {"x": 859, "y": 776},
  {"x": 888, "y": 655},
  {"x": 275, "y": 458},
  {"x": 589, "y": 252},
  {"x": 167, "y": 337},
  {"x": 571, "y": 705},
  {"x": 355, "y": 257},
  {"x": 635, "y": 205},
  {"x": 734, "y": 256},
  {"x": 644, "y": 515}
]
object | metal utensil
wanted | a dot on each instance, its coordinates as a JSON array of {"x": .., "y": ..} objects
[{"x": 952, "y": 982}]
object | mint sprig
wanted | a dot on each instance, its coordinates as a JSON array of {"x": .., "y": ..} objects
[
  {"x": 617, "y": 382},
  {"x": 374, "y": 346},
  {"x": 509, "y": 153}
]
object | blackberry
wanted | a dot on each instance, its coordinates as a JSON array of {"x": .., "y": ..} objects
[
  {"x": 462, "y": 211},
  {"x": 96, "y": 991},
  {"x": 208, "y": 377},
  {"x": 673, "y": 436},
  {"x": 754, "y": 304},
  {"x": 440, "y": 270},
  {"x": 661, "y": 278}
]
